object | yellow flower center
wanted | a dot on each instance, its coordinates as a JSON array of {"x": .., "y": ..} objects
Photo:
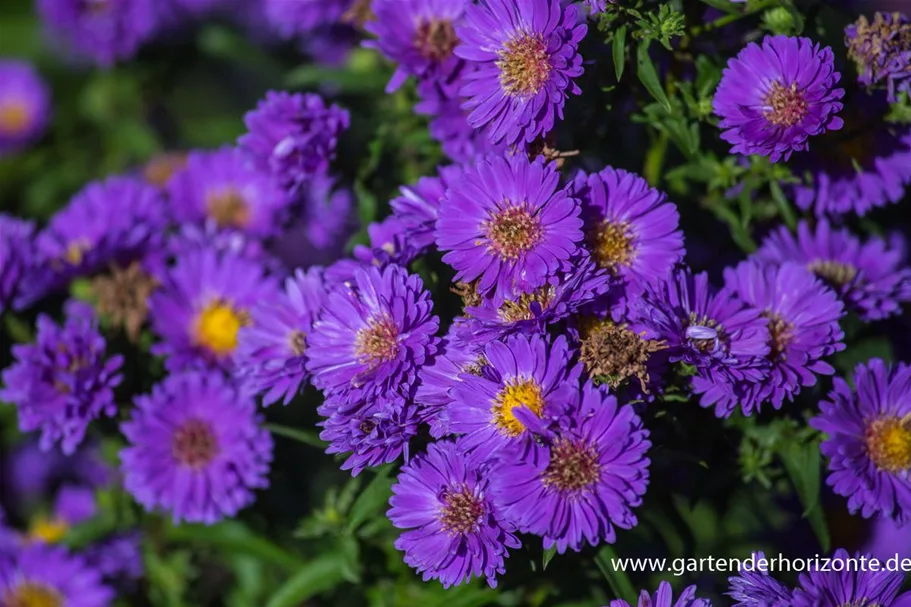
[
  {"x": 518, "y": 393},
  {"x": 32, "y": 594},
  {"x": 228, "y": 208},
  {"x": 218, "y": 325},
  {"x": 524, "y": 65},
  {"x": 76, "y": 251},
  {"x": 48, "y": 530},
  {"x": 612, "y": 245},
  {"x": 889, "y": 444},
  {"x": 378, "y": 342},
  {"x": 15, "y": 117},
  {"x": 159, "y": 170},
  {"x": 833, "y": 272}
]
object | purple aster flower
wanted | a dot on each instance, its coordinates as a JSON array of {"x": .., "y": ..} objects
[
  {"x": 272, "y": 350},
  {"x": 712, "y": 330},
  {"x": 201, "y": 305},
  {"x": 803, "y": 329},
  {"x": 852, "y": 586},
  {"x": 453, "y": 529},
  {"x": 371, "y": 432},
  {"x": 389, "y": 243},
  {"x": 293, "y": 136},
  {"x": 103, "y": 31},
  {"x": 418, "y": 35},
  {"x": 869, "y": 440},
  {"x": 582, "y": 484},
  {"x": 598, "y": 6},
  {"x": 506, "y": 224},
  {"x": 881, "y": 49},
  {"x": 754, "y": 587},
  {"x": 116, "y": 220},
  {"x": 439, "y": 375},
  {"x": 527, "y": 56},
  {"x": 418, "y": 207},
  {"x": 221, "y": 187},
  {"x": 527, "y": 386},
  {"x": 296, "y": 17},
  {"x": 31, "y": 473},
  {"x": 38, "y": 574},
  {"x": 15, "y": 255},
  {"x": 25, "y": 105},
  {"x": 191, "y": 238},
  {"x": 373, "y": 334},
  {"x": 196, "y": 448},
  {"x": 773, "y": 97},
  {"x": 64, "y": 380},
  {"x": 664, "y": 597},
  {"x": 631, "y": 229},
  {"x": 117, "y": 558},
  {"x": 870, "y": 277}
]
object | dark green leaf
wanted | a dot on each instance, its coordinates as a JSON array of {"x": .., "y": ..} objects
[
  {"x": 618, "y": 580},
  {"x": 802, "y": 461},
  {"x": 235, "y": 537},
  {"x": 619, "y": 51},
  {"x": 548, "y": 557},
  {"x": 784, "y": 207},
  {"x": 372, "y": 500},
  {"x": 305, "y": 436},
  {"x": 313, "y": 578},
  {"x": 648, "y": 75}
]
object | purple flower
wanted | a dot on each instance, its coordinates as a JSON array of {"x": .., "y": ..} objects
[
  {"x": 117, "y": 558},
  {"x": 527, "y": 56},
  {"x": 201, "y": 305},
  {"x": 664, "y": 597},
  {"x": 598, "y": 6},
  {"x": 221, "y": 187},
  {"x": 418, "y": 35},
  {"x": 869, "y": 440},
  {"x": 583, "y": 483},
  {"x": 196, "y": 449},
  {"x": 418, "y": 207},
  {"x": 773, "y": 97},
  {"x": 881, "y": 49},
  {"x": 713, "y": 331},
  {"x": 372, "y": 432},
  {"x": 868, "y": 276},
  {"x": 373, "y": 334},
  {"x": 64, "y": 380},
  {"x": 25, "y": 105},
  {"x": 802, "y": 315},
  {"x": 191, "y": 238},
  {"x": 754, "y": 587},
  {"x": 296, "y": 17},
  {"x": 631, "y": 229},
  {"x": 272, "y": 350},
  {"x": 15, "y": 255},
  {"x": 103, "y": 31},
  {"x": 116, "y": 220},
  {"x": 293, "y": 136},
  {"x": 389, "y": 243},
  {"x": 38, "y": 574},
  {"x": 527, "y": 386},
  {"x": 506, "y": 224},
  {"x": 439, "y": 375},
  {"x": 453, "y": 529},
  {"x": 852, "y": 586},
  {"x": 31, "y": 473}
]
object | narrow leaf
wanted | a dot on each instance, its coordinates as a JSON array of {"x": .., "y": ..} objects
[
  {"x": 648, "y": 75},
  {"x": 548, "y": 557},
  {"x": 784, "y": 207},
  {"x": 308, "y": 437},
  {"x": 234, "y": 537},
  {"x": 802, "y": 463},
  {"x": 313, "y": 578},
  {"x": 618, "y": 580},
  {"x": 371, "y": 500},
  {"x": 619, "y": 51}
]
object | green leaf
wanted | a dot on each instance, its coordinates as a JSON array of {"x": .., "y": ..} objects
[
  {"x": 371, "y": 500},
  {"x": 648, "y": 75},
  {"x": 313, "y": 578},
  {"x": 349, "y": 81},
  {"x": 548, "y": 557},
  {"x": 619, "y": 51},
  {"x": 618, "y": 580},
  {"x": 305, "y": 436},
  {"x": 235, "y": 537},
  {"x": 802, "y": 461}
]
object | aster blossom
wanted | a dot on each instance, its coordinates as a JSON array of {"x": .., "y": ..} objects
[
  {"x": 196, "y": 449},
  {"x": 852, "y": 586},
  {"x": 37, "y": 574},
  {"x": 527, "y": 57},
  {"x": 64, "y": 380},
  {"x": 870, "y": 277},
  {"x": 631, "y": 229},
  {"x": 25, "y": 105},
  {"x": 373, "y": 334},
  {"x": 869, "y": 440},
  {"x": 453, "y": 530},
  {"x": 295, "y": 17},
  {"x": 664, "y": 597},
  {"x": 775, "y": 95},
  {"x": 272, "y": 349},
  {"x": 756, "y": 588},
  {"x": 293, "y": 136},
  {"x": 437, "y": 378},
  {"x": 506, "y": 224},
  {"x": 881, "y": 50},
  {"x": 582, "y": 484},
  {"x": 526, "y": 388},
  {"x": 15, "y": 255},
  {"x": 418, "y": 205}
]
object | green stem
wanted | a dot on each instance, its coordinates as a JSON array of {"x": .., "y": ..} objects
[{"x": 307, "y": 437}]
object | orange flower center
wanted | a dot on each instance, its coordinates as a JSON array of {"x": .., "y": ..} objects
[
  {"x": 889, "y": 444},
  {"x": 518, "y": 393}
]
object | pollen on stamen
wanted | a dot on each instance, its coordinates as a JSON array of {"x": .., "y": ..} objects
[
  {"x": 217, "y": 327},
  {"x": 512, "y": 230},
  {"x": 15, "y": 118},
  {"x": 787, "y": 106},
  {"x": 461, "y": 511},
  {"x": 228, "y": 208},
  {"x": 194, "y": 444},
  {"x": 298, "y": 343},
  {"x": 435, "y": 39},
  {"x": 528, "y": 304},
  {"x": 888, "y": 442},
  {"x": 573, "y": 466},
  {"x": 833, "y": 272},
  {"x": 517, "y": 393},
  {"x": 525, "y": 65},
  {"x": 612, "y": 245},
  {"x": 378, "y": 342},
  {"x": 32, "y": 594},
  {"x": 780, "y": 334}
]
